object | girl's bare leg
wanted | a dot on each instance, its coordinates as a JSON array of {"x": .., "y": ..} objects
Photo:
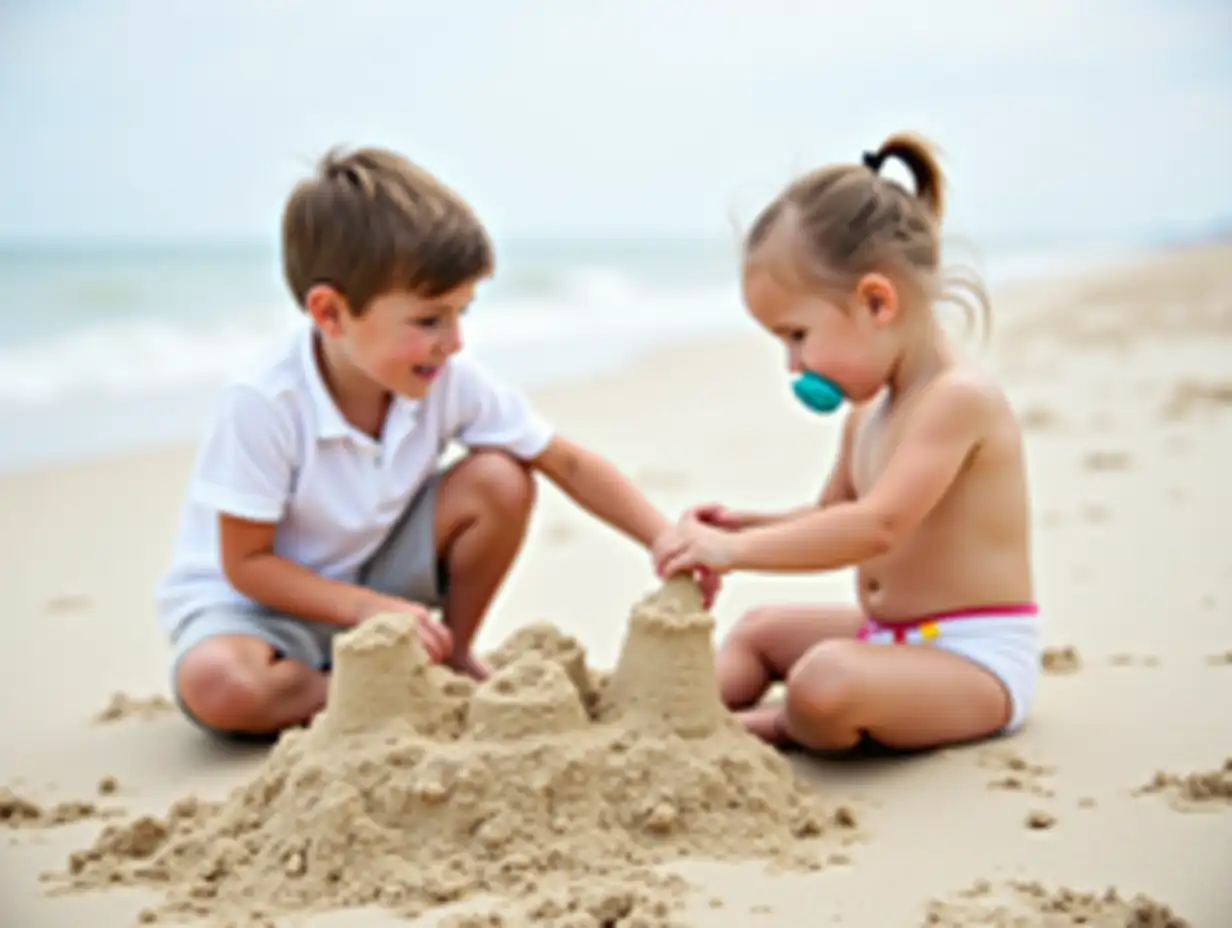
[
  {"x": 905, "y": 696},
  {"x": 762, "y": 648}
]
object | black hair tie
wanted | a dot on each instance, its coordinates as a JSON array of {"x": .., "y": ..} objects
[{"x": 873, "y": 161}]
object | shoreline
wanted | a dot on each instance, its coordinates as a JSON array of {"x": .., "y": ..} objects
[{"x": 102, "y": 426}]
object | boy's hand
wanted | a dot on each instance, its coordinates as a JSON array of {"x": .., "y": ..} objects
[
  {"x": 437, "y": 640},
  {"x": 692, "y": 546}
]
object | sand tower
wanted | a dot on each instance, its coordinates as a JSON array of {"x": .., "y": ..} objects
[
  {"x": 666, "y": 673},
  {"x": 531, "y": 696},
  {"x": 382, "y": 675}
]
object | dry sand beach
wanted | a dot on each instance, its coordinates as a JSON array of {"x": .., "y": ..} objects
[{"x": 1121, "y": 780}]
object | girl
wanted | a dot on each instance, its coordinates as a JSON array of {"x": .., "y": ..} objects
[{"x": 927, "y": 499}]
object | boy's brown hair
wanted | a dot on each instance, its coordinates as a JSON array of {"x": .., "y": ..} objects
[{"x": 370, "y": 221}]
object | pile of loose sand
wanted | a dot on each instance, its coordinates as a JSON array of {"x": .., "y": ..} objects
[
  {"x": 1020, "y": 904},
  {"x": 19, "y": 811},
  {"x": 548, "y": 784},
  {"x": 1194, "y": 790},
  {"x": 121, "y": 706}
]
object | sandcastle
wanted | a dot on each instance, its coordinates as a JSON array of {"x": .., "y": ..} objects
[{"x": 549, "y": 784}]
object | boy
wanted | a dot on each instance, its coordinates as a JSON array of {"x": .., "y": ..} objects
[{"x": 315, "y": 500}]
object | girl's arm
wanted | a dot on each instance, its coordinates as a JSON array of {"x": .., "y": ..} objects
[
  {"x": 601, "y": 489},
  {"x": 935, "y": 446}
]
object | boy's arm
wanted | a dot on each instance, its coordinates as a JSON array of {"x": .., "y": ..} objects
[
  {"x": 252, "y": 567},
  {"x": 246, "y": 470},
  {"x": 601, "y": 489},
  {"x": 490, "y": 413},
  {"x": 945, "y": 428}
]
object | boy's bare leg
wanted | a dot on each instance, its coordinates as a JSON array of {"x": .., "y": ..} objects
[
  {"x": 235, "y": 683},
  {"x": 906, "y": 697},
  {"x": 483, "y": 506},
  {"x": 766, "y": 642}
]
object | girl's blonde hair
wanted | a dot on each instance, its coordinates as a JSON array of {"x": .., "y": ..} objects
[{"x": 850, "y": 220}]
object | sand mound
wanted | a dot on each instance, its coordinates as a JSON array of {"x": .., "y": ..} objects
[
  {"x": 415, "y": 788},
  {"x": 1029, "y": 903}
]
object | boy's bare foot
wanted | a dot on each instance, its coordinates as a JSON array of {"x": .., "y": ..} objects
[
  {"x": 470, "y": 666},
  {"x": 435, "y": 638},
  {"x": 766, "y": 723}
]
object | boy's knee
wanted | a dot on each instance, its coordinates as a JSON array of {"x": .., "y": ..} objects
[
  {"x": 821, "y": 690},
  {"x": 504, "y": 483},
  {"x": 217, "y": 690}
]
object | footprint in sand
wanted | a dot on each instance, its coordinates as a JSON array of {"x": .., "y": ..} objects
[
  {"x": 1018, "y": 774},
  {"x": 1064, "y": 660},
  {"x": 1134, "y": 660},
  {"x": 1104, "y": 461},
  {"x": 66, "y": 604},
  {"x": 1095, "y": 513},
  {"x": 1040, "y": 419}
]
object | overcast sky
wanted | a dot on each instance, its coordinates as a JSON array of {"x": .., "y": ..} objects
[{"x": 169, "y": 118}]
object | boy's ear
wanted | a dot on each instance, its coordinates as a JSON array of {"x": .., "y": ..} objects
[
  {"x": 878, "y": 296},
  {"x": 328, "y": 308}
]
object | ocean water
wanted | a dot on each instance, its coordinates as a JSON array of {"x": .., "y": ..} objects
[{"x": 109, "y": 349}]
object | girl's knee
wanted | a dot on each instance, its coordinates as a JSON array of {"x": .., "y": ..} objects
[
  {"x": 752, "y": 628},
  {"x": 823, "y": 688},
  {"x": 500, "y": 481}
]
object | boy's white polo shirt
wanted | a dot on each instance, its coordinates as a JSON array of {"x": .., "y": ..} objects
[{"x": 279, "y": 450}]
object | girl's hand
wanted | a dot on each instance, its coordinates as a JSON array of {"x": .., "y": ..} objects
[
  {"x": 709, "y": 582},
  {"x": 691, "y": 545},
  {"x": 717, "y": 515}
]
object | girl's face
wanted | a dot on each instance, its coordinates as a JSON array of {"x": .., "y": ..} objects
[{"x": 844, "y": 340}]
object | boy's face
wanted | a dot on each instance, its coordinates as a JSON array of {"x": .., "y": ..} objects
[{"x": 402, "y": 340}]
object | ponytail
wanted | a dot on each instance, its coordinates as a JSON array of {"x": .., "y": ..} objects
[{"x": 921, "y": 160}]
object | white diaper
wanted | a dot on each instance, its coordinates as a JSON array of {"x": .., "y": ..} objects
[{"x": 1004, "y": 640}]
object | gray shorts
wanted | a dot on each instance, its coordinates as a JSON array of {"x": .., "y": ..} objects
[{"x": 405, "y": 565}]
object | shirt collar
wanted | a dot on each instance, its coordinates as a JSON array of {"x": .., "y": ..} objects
[{"x": 403, "y": 411}]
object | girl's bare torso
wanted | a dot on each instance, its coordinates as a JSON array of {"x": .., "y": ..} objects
[{"x": 972, "y": 549}]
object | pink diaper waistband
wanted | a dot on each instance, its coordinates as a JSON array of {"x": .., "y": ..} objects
[{"x": 927, "y": 624}]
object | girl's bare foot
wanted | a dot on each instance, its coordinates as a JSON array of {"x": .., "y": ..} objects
[{"x": 766, "y": 723}]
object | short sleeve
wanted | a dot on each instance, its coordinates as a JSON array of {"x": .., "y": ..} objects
[
  {"x": 246, "y": 462},
  {"x": 493, "y": 414}
]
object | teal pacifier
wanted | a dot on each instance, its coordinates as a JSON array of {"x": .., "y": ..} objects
[{"x": 817, "y": 393}]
